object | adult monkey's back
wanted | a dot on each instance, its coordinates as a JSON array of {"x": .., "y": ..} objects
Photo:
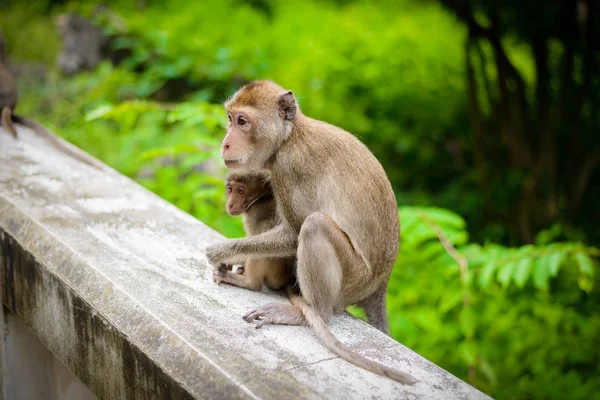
[{"x": 339, "y": 214}]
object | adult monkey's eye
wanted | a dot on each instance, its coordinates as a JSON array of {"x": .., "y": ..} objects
[
  {"x": 240, "y": 191},
  {"x": 241, "y": 121}
]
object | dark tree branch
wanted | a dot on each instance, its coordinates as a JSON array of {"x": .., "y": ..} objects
[
  {"x": 475, "y": 117},
  {"x": 529, "y": 127},
  {"x": 546, "y": 126},
  {"x": 462, "y": 9},
  {"x": 512, "y": 129},
  {"x": 540, "y": 54},
  {"x": 484, "y": 76},
  {"x": 568, "y": 38},
  {"x": 590, "y": 46},
  {"x": 567, "y": 85},
  {"x": 589, "y": 66},
  {"x": 582, "y": 180}
]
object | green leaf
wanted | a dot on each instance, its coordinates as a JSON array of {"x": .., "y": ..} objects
[
  {"x": 485, "y": 275},
  {"x": 443, "y": 217},
  {"x": 522, "y": 272},
  {"x": 428, "y": 318},
  {"x": 555, "y": 261},
  {"x": 154, "y": 153},
  {"x": 99, "y": 112},
  {"x": 449, "y": 300},
  {"x": 585, "y": 264},
  {"x": 541, "y": 274},
  {"x": 408, "y": 221},
  {"x": 467, "y": 322},
  {"x": 487, "y": 370},
  {"x": 505, "y": 273},
  {"x": 207, "y": 193},
  {"x": 468, "y": 278},
  {"x": 357, "y": 312},
  {"x": 468, "y": 351},
  {"x": 585, "y": 283}
]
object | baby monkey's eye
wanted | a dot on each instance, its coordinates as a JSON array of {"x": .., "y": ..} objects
[{"x": 229, "y": 117}]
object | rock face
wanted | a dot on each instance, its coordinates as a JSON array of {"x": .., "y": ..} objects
[
  {"x": 114, "y": 281},
  {"x": 82, "y": 44}
]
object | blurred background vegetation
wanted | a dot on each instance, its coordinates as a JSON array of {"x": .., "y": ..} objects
[{"x": 485, "y": 115}]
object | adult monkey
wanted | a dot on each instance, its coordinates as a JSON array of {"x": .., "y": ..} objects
[
  {"x": 8, "y": 102},
  {"x": 339, "y": 214}
]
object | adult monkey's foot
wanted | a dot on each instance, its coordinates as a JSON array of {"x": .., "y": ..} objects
[{"x": 275, "y": 313}]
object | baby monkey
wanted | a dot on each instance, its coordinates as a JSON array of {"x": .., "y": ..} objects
[{"x": 251, "y": 195}]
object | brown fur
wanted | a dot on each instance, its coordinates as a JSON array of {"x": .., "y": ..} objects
[
  {"x": 251, "y": 195},
  {"x": 8, "y": 92},
  {"x": 7, "y": 121},
  {"x": 339, "y": 214},
  {"x": 8, "y": 103}
]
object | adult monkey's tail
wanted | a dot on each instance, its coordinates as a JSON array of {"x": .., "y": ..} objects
[
  {"x": 7, "y": 121},
  {"x": 53, "y": 140},
  {"x": 339, "y": 348}
]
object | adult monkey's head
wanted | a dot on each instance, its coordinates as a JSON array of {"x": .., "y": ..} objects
[{"x": 260, "y": 119}]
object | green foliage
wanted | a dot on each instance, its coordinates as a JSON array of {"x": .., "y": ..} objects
[
  {"x": 171, "y": 151},
  {"x": 517, "y": 322},
  {"x": 29, "y": 18},
  {"x": 509, "y": 319},
  {"x": 357, "y": 66}
]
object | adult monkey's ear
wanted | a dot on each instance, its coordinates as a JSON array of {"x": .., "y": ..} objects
[{"x": 287, "y": 107}]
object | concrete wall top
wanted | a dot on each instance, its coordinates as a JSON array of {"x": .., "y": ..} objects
[{"x": 114, "y": 281}]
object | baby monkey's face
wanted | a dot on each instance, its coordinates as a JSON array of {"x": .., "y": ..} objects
[{"x": 241, "y": 195}]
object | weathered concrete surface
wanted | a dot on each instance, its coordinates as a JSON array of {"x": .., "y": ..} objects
[
  {"x": 114, "y": 281},
  {"x": 31, "y": 371}
]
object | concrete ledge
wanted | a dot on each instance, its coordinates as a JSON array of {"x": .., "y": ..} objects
[{"x": 113, "y": 280}]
